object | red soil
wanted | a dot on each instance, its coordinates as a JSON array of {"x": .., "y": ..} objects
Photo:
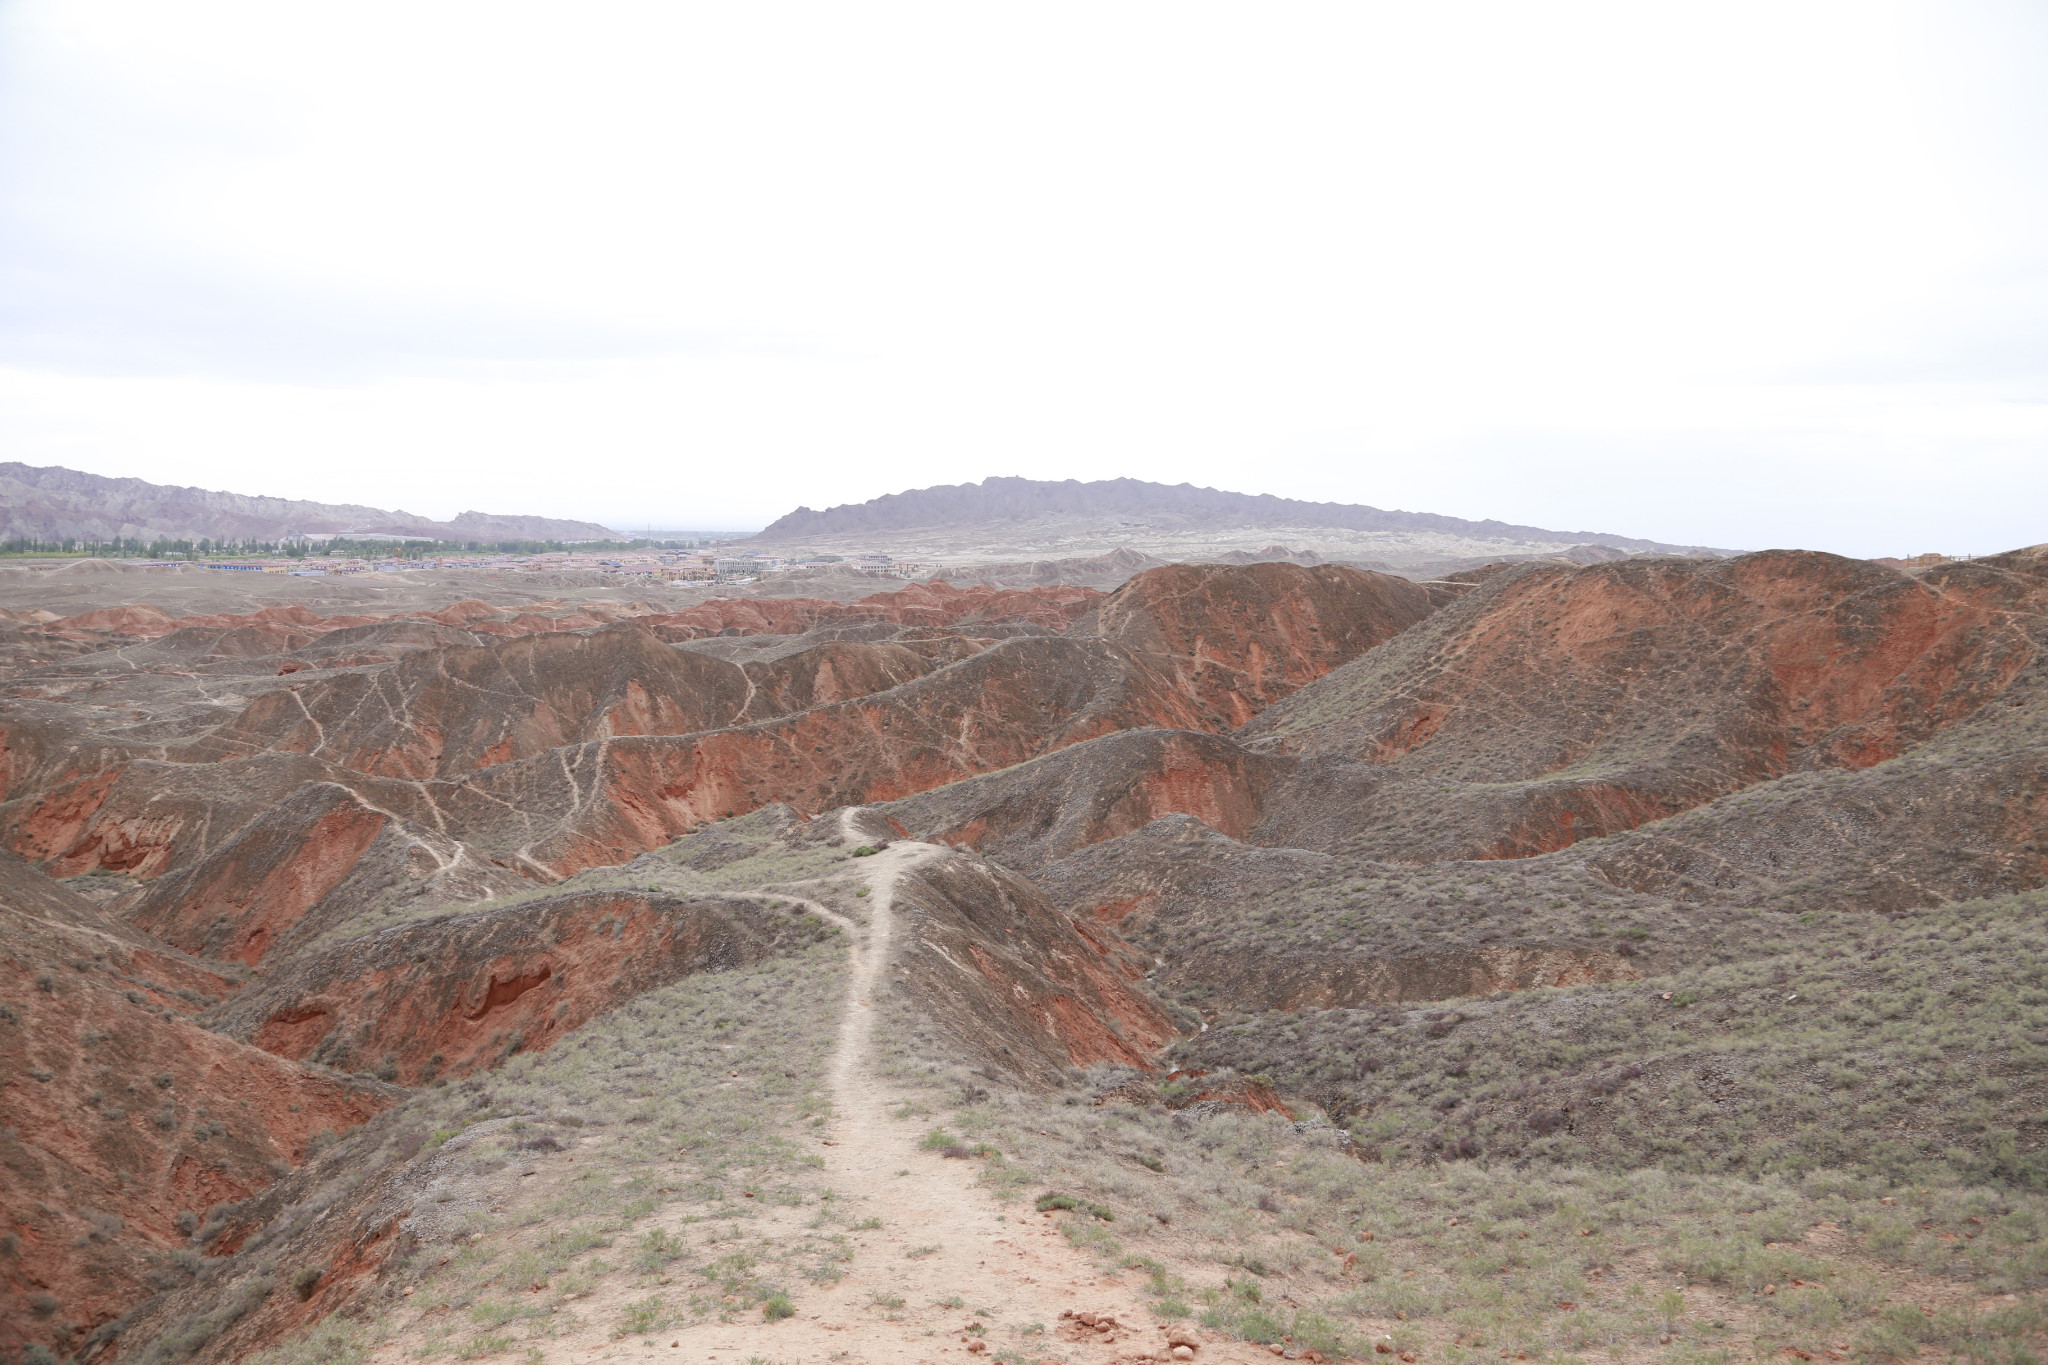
[
  {"x": 449, "y": 997},
  {"x": 121, "y": 1119}
]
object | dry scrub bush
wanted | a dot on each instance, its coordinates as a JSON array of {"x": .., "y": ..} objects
[
  {"x": 666, "y": 1134},
  {"x": 666, "y": 1144},
  {"x": 1574, "y": 1243},
  {"x": 1901, "y": 1050}
]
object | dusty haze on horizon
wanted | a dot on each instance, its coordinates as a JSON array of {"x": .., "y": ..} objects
[{"x": 1738, "y": 275}]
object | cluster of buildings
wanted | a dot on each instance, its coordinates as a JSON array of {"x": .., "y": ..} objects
[{"x": 747, "y": 567}]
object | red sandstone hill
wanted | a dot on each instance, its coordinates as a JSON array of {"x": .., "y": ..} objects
[
  {"x": 1668, "y": 738},
  {"x": 459, "y": 993},
  {"x": 1552, "y": 704},
  {"x": 550, "y": 754},
  {"x": 126, "y": 1121},
  {"x": 1548, "y": 705},
  {"x": 454, "y": 710},
  {"x": 1239, "y": 639}
]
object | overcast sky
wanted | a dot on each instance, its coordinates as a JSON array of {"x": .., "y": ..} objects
[{"x": 1734, "y": 274}]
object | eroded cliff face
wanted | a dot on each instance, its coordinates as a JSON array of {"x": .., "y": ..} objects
[
  {"x": 997, "y": 970},
  {"x": 458, "y": 993},
  {"x": 250, "y": 896},
  {"x": 1238, "y": 639},
  {"x": 127, "y": 1122},
  {"x": 1046, "y": 809},
  {"x": 454, "y": 710},
  {"x": 1553, "y": 705}
]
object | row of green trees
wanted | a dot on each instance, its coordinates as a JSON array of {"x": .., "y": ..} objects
[{"x": 204, "y": 548}]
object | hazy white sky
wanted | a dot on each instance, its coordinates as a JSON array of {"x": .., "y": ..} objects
[{"x": 1727, "y": 273}]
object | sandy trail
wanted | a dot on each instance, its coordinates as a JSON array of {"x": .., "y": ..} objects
[
  {"x": 1008, "y": 1260},
  {"x": 942, "y": 1239}
]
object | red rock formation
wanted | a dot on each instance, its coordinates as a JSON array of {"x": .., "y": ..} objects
[
  {"x": 840, "y": 670},
  {"x": 1555, "y": 704},
  {"x": 1021, "y": 985},
  {"x": 125, "y": 1122},
  {"x": 1009, "y": 703},
  {"x": 1031, "y": 814},
  {"x": 461, "y": 992},
  {"x": 238, "y": 903},
  {"x": 1241, "y": 638},
  {"x": 146, "y": 817},
  {"x": 454, "y": 710}
]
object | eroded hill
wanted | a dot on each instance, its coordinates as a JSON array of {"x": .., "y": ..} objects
[{"x": 318, "y": 923}]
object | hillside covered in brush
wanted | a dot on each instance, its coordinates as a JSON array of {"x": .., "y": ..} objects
[{"x": 1540, "y": 878}]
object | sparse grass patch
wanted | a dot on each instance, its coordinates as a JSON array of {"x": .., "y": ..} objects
[
  {"x": 650, "y": 1314},
  {"x": 1737, "y": 1067},
  {"x": 1271, "y": 1229}
]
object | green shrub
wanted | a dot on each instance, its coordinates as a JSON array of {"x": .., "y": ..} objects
[
  {"x": 1048, "y": 1202},
  {"x": 648, "y": 1315}
]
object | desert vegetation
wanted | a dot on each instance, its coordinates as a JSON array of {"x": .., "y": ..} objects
[
  {"x": 1635, "y": 961},
  {"x": 661, "y": 1168}
]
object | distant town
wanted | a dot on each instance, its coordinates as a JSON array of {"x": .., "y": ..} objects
[{"x": 320, "y": 556}]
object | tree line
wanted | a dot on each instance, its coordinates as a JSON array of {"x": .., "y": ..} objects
[{"x": 206, "y": 547}]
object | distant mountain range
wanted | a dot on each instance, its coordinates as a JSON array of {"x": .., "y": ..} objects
[
  {"x": 1160, "y": 506},
  {"x": 55, "y": 503}
]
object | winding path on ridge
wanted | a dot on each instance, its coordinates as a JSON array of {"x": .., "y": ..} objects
[
  {"x": 1006, "y": 1259},
  {"x": 923, "y": 1232}
]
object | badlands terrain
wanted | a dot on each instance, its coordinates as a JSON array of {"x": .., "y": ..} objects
[{"x": 1551, "y": 960}]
